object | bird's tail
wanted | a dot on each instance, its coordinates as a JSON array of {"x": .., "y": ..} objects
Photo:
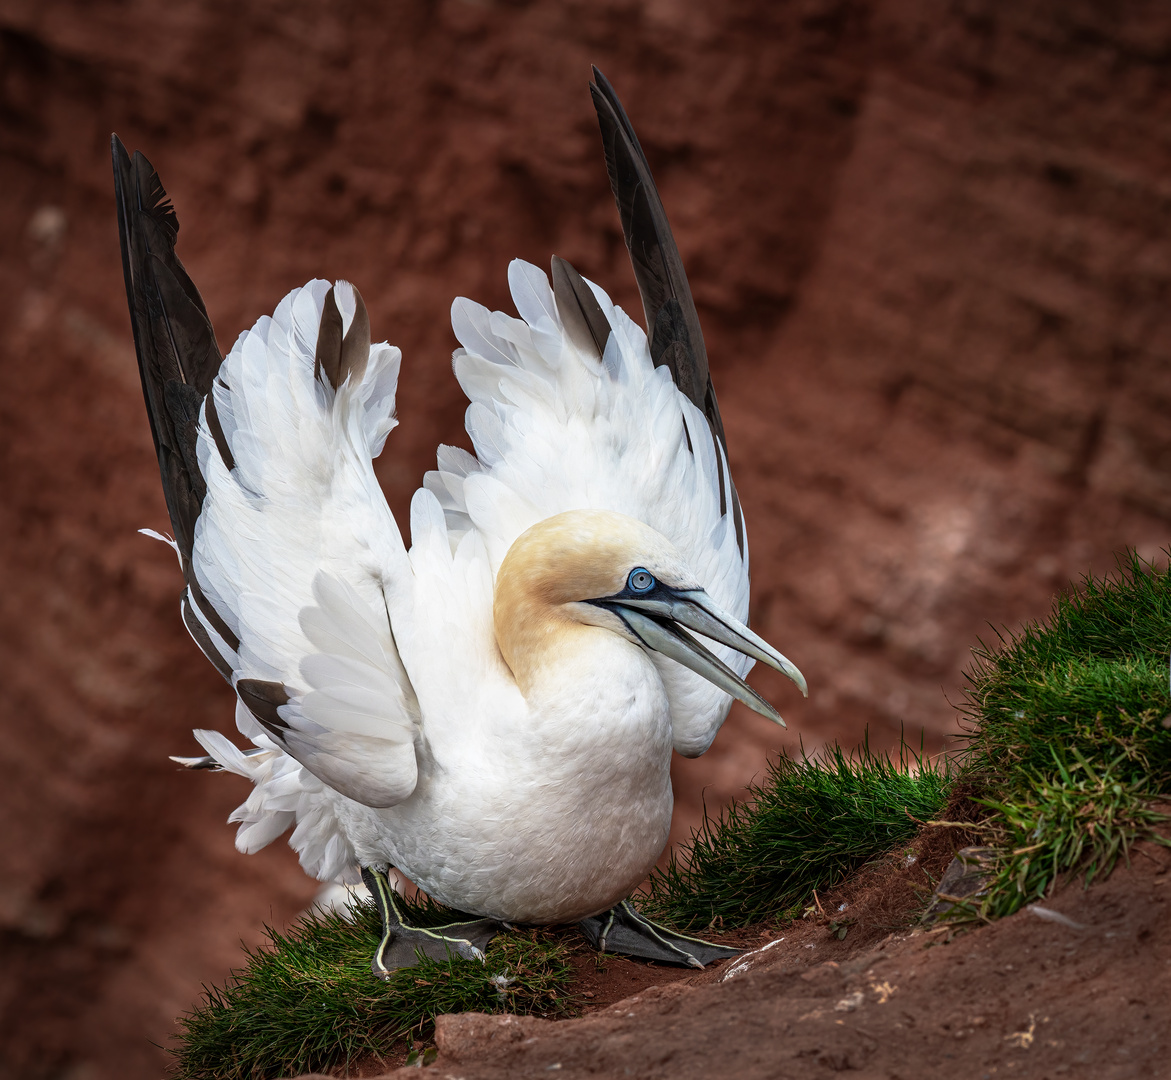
[{"x": 284, "y": 794}]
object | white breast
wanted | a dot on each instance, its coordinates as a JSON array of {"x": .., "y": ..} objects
[{"x": 539, "y": 814}]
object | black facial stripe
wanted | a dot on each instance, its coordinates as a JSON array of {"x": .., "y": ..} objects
[
  {"x": 658, "y": 591},
  {"x": 613, "y": 604}
]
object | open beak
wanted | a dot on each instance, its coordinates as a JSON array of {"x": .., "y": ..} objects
[{"x": 657, "y": 618}]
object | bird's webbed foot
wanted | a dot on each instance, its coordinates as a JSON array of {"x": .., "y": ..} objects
[
  {"x": 402, "y": 945},
  {"x": 624, "y": 931}
]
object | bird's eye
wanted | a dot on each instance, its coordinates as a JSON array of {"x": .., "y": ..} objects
[{"x": 640, "y": 580}]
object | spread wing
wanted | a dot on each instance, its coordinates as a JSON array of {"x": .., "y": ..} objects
[
  {"x": 571, "y": 408},
  {"x": 291, "y": 558}
]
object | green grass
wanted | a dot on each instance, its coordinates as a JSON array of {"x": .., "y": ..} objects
[
  {"x": 1081, "y": 818},
  {"x": 308, "y": 1002},
  {"x": 806, "y": 827},
  {"x": 1093, "y": 678},
  {"x": 1070, "y": 740}
]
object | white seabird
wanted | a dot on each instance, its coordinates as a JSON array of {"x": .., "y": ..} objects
[{"x": 492, "y": 709}]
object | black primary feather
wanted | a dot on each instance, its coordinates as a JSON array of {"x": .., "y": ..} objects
[
  {"x": 673, "y": 331},
  {"x": 177, "y": 353},
  {"x": 178, "y": 359}
]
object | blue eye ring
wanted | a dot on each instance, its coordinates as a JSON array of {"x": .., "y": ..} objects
[{"x": 641, "y": 580}]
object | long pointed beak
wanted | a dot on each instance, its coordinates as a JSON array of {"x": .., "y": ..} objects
[{"x": 652, "y": 619}]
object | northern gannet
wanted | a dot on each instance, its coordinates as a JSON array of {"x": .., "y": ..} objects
[{"x": 491, "y": 710}]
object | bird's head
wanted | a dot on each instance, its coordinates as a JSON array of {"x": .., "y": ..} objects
[{"x": 600, "y": 568}]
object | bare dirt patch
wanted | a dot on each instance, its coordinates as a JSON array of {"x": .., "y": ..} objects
[{"x": 1080, "y": 986}]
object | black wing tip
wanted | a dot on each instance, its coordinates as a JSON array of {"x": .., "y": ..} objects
[
  {"x": 173, "y": 339},
  {"x": 673, "y": 330},
  {"x": 608, "y": 106},
  {"x": 602, "y": 88},
  {"x": 139, "y": 189},
  {"x": 658, "y": 267}
]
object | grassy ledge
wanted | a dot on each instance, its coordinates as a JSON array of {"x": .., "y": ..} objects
[
  {"x": 1092, "y": 679},
  {"x": 1071, "y": 735},
  {"x": 1069, "y": 747},
  {"x": 806, "y": 827},
  {"x": 307, "y": 1001}
]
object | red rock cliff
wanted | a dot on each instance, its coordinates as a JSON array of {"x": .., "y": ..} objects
[{"x": 930, "y": 246}]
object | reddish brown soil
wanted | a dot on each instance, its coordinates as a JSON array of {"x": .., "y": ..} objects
[
  {"x": 1027, "y": 996},
  {"x": 929, "y": 245}
]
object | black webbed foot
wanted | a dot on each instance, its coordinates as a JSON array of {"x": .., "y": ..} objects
[
  {"x": 624, "y": 931},
  {"x": 402, "y": 945}
]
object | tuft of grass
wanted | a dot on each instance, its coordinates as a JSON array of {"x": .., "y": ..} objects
[
  {"x": 307, "y": 1001},
  {"x": 1072, "y": 740},
  {"x": 1094, "y": 678},
  {"x": 806, "y": 827},
  {"x": 1082, "y": 818}
]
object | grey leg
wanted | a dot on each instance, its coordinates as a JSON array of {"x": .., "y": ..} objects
[
  {"x": 624, "y": 931},
  {"x": 402, "y": 945}
]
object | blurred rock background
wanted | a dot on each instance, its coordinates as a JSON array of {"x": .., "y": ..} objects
[{"x": 930, "y": 246}]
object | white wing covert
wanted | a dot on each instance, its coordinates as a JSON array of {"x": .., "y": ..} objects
[{"x": 296, "y": 549}]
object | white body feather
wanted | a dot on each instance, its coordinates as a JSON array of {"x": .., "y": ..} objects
[{"x": 416, "y": 747}]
